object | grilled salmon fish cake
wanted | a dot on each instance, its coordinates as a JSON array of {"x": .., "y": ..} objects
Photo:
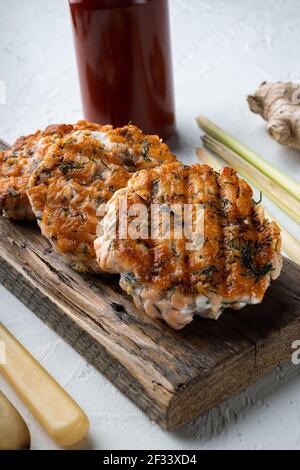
[
  {"x": 16, "y": 166},
  {"x": 78, "y": 176},
  {"x": 227, "y": 262}
]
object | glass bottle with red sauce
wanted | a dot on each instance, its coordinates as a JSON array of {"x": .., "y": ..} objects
[{"x": 124, "y": 61}]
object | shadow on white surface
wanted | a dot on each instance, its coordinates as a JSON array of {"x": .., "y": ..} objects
[{"x": 254, "y": 400}]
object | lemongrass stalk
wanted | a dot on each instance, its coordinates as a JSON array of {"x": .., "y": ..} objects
[
  {"x": 209, "y": 159},
  {"x": 279, "y": 197},
  {"x": 290, "y": 245},
  {"x": 264, "y": 182},
  {"x": 283, "y": 180}
]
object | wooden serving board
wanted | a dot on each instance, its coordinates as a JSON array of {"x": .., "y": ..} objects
[{"x": 172, "y": 376}]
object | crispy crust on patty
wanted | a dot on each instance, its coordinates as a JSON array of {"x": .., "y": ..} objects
[
  {"x": 17, "y": 164},
  {"x": 80, "y": 173},
  {"x": 233, "y": 266}
]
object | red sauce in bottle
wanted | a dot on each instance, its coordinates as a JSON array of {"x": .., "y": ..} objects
[{"x": 124, "y": 62}]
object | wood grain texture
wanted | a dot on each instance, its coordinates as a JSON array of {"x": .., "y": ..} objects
[{"x": 172, "y": 376}]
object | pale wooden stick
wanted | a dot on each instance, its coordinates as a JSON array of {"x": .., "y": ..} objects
[{"x": 50, "y": 404}]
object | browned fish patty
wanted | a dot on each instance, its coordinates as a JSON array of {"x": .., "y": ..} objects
[
  {"x": 80, "y": 173},
  {"x": 171, "y": 279},
  {"x": 16, "y": 166}
]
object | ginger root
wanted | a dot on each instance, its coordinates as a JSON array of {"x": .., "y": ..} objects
[{"x": 279, "y": 105}]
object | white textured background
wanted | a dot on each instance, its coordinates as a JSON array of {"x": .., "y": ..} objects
[{"x": 222, "y": 50}]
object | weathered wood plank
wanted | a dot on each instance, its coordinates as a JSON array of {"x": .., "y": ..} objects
[{"x": 172, "y": 376}]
